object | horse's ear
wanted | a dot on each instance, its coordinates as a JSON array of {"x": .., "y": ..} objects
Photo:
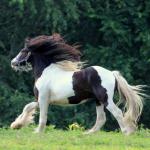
[
  {"x": 27, "y": 40},
  {"x": 57, "y": 37}
]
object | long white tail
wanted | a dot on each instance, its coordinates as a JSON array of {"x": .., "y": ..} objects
[{"x": 133, "y": 98}]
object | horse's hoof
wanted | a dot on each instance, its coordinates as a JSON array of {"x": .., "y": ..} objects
[
  {"x": 129, "y": 131},
  {"x": 89, "y": 132},
  {"x": 15, "y": 125},
  {"x": 37, "y": 131}
]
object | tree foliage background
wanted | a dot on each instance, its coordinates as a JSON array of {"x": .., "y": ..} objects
[{"x": 114, "y": 34}]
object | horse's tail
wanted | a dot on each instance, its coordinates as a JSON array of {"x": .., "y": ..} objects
[{"x": 133, "y": 96}]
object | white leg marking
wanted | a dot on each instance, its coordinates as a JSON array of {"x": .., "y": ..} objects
[
  {"x": 26, "y": 117},
  {"x": 43, "y": 104},
  {"x": 117, "y": 113},
  {"x": 100, "y": 120}
]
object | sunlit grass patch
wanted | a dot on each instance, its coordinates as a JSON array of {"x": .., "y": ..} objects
[{"x": 54, "y": 139}]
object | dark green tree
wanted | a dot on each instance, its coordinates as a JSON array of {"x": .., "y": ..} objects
[{"x": 113, "y": 34}]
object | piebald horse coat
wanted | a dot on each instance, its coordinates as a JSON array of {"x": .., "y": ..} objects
[{"x": 59, "y": 80}]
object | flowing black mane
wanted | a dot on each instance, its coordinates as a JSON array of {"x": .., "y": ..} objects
[
  {"x": 53, "y": 47},
  {"x": 50, "y": 49}
]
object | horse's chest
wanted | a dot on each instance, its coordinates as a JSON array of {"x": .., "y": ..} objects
[
  {"x": 57, "y": 85},
  {"x": 61, "y": 90}
]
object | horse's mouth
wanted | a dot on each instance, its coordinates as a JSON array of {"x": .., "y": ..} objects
[{"x": 22, "y": 66}]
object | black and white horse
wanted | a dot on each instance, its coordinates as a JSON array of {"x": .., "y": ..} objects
[{"x": 59, "y": 80}]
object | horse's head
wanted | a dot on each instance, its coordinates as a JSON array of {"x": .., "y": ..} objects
[
  {"x": 22, "y": 62},
  {"x": 37, "y": 47},
  {"x": 50, "y": 49}
]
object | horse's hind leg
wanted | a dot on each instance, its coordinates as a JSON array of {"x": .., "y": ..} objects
[
  {"x": 100, "y": 120},
  {"x": 101, "y": 100},
  {"x": 26, "y": 117},
  {"x": 117, "y": 113},
  {"x": 107, "y": 99}
]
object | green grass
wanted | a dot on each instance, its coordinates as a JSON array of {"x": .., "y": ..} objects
[{"x": 53, "y": 139}]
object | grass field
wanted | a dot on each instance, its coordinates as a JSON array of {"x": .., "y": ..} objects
[{"x": 53, "y": 139}]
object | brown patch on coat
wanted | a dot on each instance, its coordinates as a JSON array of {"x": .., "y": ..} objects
[{"x": 87, "y": 84}]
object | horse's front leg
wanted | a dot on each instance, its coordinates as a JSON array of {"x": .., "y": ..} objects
[
  {"x": 43, "y": 105},
  {"x": 26, "y": 117}
]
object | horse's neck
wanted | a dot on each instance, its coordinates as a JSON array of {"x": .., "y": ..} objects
[
  {"x": 42, "y": 63},
  {"x": 39, "y": 65},
  {"x": 55, "y": 69}
]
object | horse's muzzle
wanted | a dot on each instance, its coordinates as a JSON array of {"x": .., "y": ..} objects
[{"x": 14, "y": 63}]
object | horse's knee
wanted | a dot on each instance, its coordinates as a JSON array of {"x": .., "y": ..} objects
[{"x": 30, "y": 106}]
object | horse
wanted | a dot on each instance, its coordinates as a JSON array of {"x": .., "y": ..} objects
[{"x": 62, "y": 79}]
